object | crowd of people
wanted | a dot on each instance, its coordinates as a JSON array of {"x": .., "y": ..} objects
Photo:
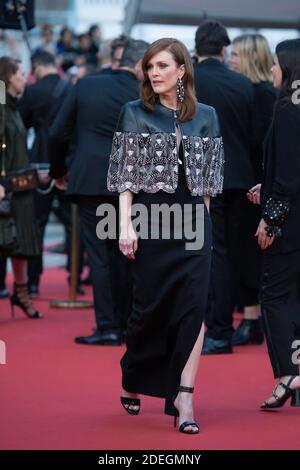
[{"x": 157, "y": 127}]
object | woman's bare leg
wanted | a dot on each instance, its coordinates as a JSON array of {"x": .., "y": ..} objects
[
  {"x": 252, "y": 312},
  {"x": 184, "y": 400},
  {"x": 20, "y": 270}
]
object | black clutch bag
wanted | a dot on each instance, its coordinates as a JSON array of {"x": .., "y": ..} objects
[{"x": 25, "y": 179}]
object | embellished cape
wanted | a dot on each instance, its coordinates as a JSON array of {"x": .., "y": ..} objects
[{"x": 144, "y": 153}]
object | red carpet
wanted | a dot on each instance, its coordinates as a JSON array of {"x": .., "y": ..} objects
[{"x": 55, "y": 394}]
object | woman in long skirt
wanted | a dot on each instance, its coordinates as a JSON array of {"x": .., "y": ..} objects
[{"x": 167, "y": 153}]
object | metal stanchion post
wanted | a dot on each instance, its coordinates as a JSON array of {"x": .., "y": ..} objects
[{"x": 72, "y": 302}]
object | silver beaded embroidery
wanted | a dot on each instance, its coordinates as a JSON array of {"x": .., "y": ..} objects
[
  {"x": 275, "y": 213},
  {"x": 149, "y": 162}
]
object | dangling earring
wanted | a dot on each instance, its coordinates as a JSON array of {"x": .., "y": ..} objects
[{"x": 180, "y": 90}]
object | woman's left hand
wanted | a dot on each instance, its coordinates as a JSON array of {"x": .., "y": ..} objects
[
  {"x": 2, "y": 192},
  {"x": 254, "y": 194},
  {"x": 263, "y": 240},
  {"x": 206, "y": 200},
  {"x": 128, "y": 242}
]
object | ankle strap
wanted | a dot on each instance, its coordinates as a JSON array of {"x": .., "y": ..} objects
[
  {"x": 182, "y": 388},
  {"x": 287, "y": 386}
]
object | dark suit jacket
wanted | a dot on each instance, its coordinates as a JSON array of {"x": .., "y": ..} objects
[
  {"x": 231, "y": 94},
  {"x": 265, "y": 96},
  {"x": 282, "y": 172},
  {"x": 89, "y": 116},
  {"x": 37, "y": 105}
]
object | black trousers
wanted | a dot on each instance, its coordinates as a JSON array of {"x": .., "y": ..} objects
[
  {"x": 249, "y": 265},
  {"x": 225, "y": 212},
  {"x": 3, "y": 262},
  {"x": 280, "y": 302},
  {"x": 43, "y": 206},
  {"x": 110, "y": 270}
]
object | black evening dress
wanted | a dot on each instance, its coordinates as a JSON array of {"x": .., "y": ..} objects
[
  {"x": 170, "y": 278},
  {"x": 170, "y": 294}
]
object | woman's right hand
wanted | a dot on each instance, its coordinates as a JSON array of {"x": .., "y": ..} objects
[
  {"x": 263, "y": 239},
  {"x": 61, "y": 183},
  {"x": 2, "y": 192},
  {"x": 128, "y": 242},
  {"x": 254, "y": 194}
]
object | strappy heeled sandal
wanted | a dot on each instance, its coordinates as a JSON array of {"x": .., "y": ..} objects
[
  {"x": 280, "y": 401},
  {"x": 185, "y": 424},
  {"x": 126, "y": 402},
  {"x": 22, "y": 299}
]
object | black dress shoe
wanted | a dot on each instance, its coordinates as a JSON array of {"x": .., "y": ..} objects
[
  {"x": 248, "y": 332},
  {"x": 80, "y": 290},
  {"x": 102, "y": 339},
  {"x": 4, "y": 294},
  {"x": 216, "y": 346}
]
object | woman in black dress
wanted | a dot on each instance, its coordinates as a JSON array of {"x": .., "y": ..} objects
[
  {"x": 19, "y": 236},
  {"x": 167, "y": 150},
  {"x": 279, "y": 229}
]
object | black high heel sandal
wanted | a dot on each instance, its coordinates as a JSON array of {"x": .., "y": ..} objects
[
  {"x": 131, "y": 402},
  {"x": 185, "y": 424},
  {"x": 294, "y": 394},
  {"x": 21, "y": 299}
]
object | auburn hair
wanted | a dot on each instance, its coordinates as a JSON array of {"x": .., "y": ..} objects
[
  {"x": 187, "y": 108},
  {"x": 8, "y": 68}
]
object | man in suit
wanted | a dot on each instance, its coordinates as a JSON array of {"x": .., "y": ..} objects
[
  {"x": 110, "y": 53},
  {"x": 38, "y": 107},
  {"x": 89, "y": 117},
  {"x": 231, "y": 94}
]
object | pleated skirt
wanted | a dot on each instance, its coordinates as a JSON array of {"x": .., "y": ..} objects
[{"x": 20, "y": 229}]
